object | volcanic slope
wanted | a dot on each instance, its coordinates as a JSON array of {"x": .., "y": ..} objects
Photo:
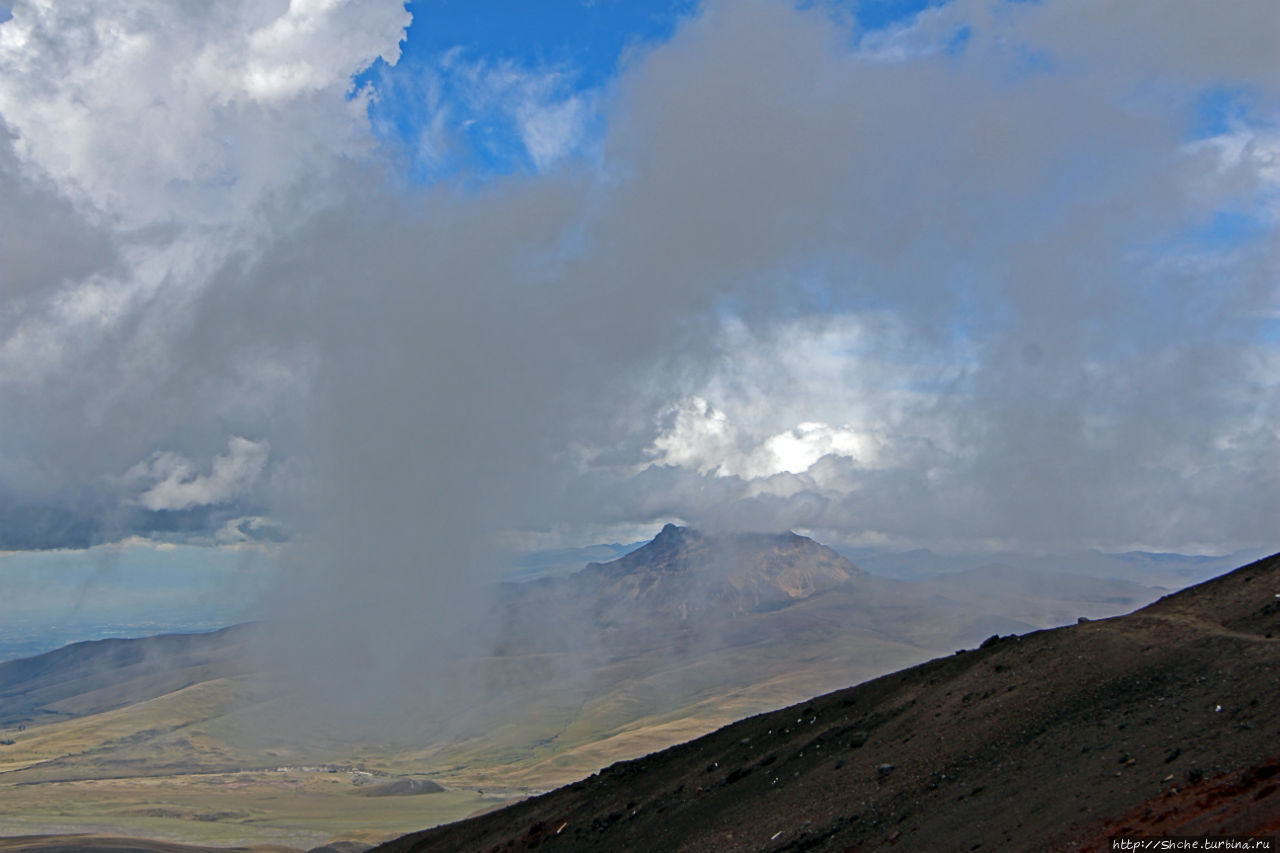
[{"x": 1160, "y": 721}]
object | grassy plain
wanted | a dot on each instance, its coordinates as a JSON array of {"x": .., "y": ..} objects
[{"x": 168, "y": 769}]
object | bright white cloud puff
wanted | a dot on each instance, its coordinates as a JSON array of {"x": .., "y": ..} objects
[
  {"x": 174, "y": 485},
  {"x": 704, "y": 439}
]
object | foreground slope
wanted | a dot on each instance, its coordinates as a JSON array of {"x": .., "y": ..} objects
[{"x": 1161, "y": 721}]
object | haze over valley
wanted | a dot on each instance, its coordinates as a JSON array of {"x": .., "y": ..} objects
[{"x": 182, "y": 737}]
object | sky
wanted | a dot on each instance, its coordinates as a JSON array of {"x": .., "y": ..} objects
[{"x": 391, "y": 291}]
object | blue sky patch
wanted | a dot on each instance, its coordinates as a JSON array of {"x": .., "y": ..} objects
[
  {"x": 489, "y": 87},
  {"x": 879, "y": 14},
  {"x": 959, "y": 41},
  {"x": 1219, "y": 109},
  {"x": 1229, "y": 228}
]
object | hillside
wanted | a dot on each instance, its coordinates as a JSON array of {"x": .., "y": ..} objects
[
  {"x": 1162, "y": 721},
  {"x": 100, "y": 675}
]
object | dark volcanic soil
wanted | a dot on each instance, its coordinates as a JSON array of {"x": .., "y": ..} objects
[{"x": 1164, "y": 721}]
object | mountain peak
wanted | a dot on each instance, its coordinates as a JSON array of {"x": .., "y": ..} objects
[
  {"x": 674, "y": 536},
  {"x": 685, "y": 567}
]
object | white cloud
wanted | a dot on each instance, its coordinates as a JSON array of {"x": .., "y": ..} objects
[
  {"x": 248, "y": 531},
  {"x": 549, "y": 116},
  {"x": 147, "y": 111},
  {"x": 786, "y": 395},
  {"x": 796, "y": 450},
  {"x": 1246, "y": 158},
  {"x": 153, "y": 115},
  {"x": 702, "y": 438},
  {"x": 175, "y": 486},
  {"x": 551, "y": 130},
  {"x": 173, "y": 137}
]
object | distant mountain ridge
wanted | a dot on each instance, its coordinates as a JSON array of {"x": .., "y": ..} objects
[
  {"x": 737, "y": 572},
  {"x": 1168, "y": 570}
]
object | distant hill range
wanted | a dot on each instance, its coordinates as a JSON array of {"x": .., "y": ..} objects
[
  {"x": 690, "y": 590},
  {"x": 1162, "y": 722},
  {"x": 682, "y": 634}
]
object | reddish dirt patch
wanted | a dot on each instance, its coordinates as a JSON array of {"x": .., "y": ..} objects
[{"x": 1245, "y": 802}]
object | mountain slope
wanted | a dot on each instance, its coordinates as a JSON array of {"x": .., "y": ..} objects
[{"x": 1163, "y": 720}]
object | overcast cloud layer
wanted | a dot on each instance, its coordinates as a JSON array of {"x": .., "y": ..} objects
[{"x": 1003, "y": 276}]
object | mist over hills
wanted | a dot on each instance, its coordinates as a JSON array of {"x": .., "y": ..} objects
[
  {"x": 687, "y": 592},
  {"x": 679, "y": 636},
  {"x": 687, "y": 626},
  {"x": 1172, "y": 571},
  {"x": 1158, "y": 722}
]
